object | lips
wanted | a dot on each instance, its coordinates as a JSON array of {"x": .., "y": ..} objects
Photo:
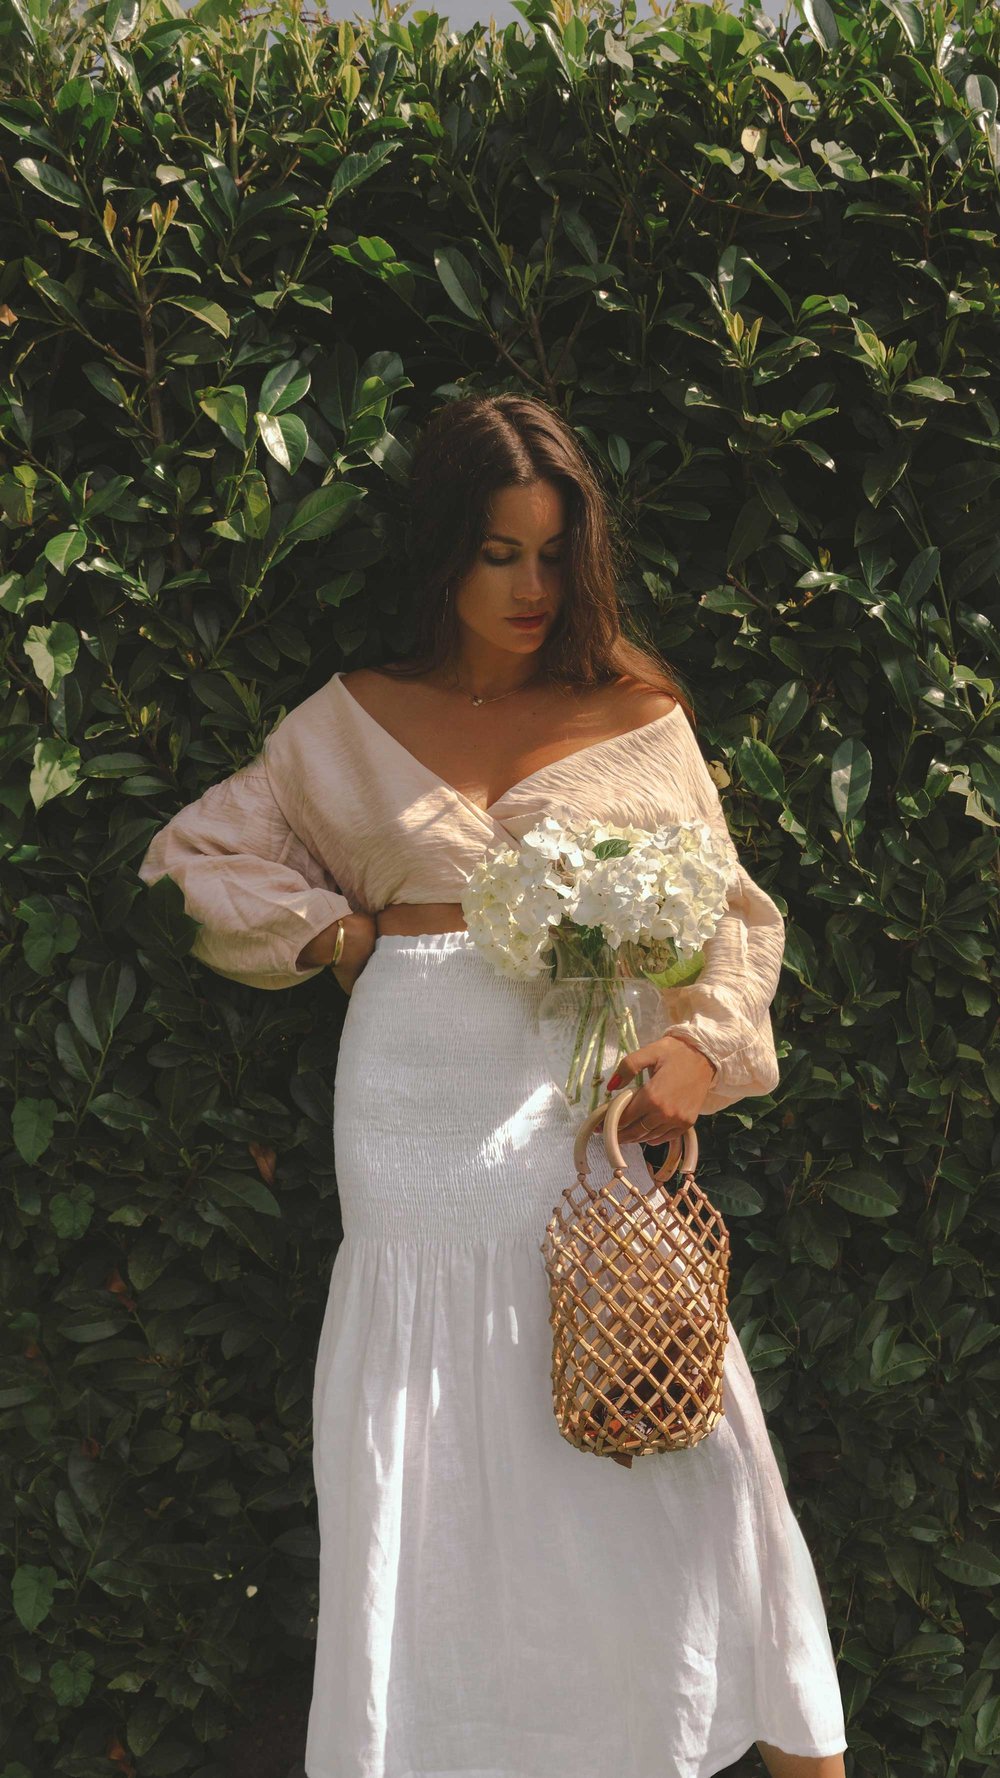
[{"x": 528, "y": 622}]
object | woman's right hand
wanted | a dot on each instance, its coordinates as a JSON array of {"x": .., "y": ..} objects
[{"x": 360, "y": 932}]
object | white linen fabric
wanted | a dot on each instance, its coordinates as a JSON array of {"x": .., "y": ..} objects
[{"x": 493, "y": 1602}]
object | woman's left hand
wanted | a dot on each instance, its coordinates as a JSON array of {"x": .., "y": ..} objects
[{"x": 678, "y": 1079}]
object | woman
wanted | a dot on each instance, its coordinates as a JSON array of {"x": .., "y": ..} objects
[{"x": 493, "y": 1601}]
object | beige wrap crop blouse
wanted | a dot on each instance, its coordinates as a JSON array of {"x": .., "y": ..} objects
[{"x": 335, "y": 815}]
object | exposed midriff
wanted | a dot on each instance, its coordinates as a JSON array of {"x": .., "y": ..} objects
[{"x": 423, "y": 916}]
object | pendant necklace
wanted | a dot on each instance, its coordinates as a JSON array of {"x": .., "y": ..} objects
[{"x": 500, "y": 694}]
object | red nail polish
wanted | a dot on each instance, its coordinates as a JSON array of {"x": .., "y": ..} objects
[{"x": 615, "y": 1081}]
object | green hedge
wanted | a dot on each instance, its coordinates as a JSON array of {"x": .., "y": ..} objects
[{"x": 244, "y": 260}]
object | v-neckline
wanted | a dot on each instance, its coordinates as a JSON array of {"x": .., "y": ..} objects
[{"x": 487, "y": 812}]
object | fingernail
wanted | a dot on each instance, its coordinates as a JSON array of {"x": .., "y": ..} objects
[{"x": 615, "y": 1081}]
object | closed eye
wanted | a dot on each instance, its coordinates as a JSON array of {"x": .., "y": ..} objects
[{"x": 502, "y": 561}]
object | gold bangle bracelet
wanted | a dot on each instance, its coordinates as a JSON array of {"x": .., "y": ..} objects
[{"x": 338, "y": 945}]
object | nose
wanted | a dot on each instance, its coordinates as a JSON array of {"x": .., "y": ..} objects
[{"x": 533, "y": 589}]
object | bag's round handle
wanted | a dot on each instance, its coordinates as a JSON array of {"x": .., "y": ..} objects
[{"x": 609, "y": 1113}]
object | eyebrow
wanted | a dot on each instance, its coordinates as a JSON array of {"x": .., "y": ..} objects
[{"x": 495, "y": 537}]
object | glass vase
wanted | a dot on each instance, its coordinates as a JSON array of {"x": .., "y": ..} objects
[{"x": 591, "y": 1015}]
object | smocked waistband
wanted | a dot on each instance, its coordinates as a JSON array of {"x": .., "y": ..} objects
[{"x": 426, "y": 941}]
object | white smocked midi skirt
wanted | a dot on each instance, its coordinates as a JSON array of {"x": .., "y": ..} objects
[{"x": 493, "y": 1602}]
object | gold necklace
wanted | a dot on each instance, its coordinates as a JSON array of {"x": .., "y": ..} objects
[{"x": 500, "y": 694}]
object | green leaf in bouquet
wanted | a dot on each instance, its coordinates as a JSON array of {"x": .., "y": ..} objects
[{"x": 686, "y": 969}]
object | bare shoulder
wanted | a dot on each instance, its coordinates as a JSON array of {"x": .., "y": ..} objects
[
  {"x": 359, "y": 678},
  {"x": 634, "y": 702},
  {"x": 372, "y": 689}
]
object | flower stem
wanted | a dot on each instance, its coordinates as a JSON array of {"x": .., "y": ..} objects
[
  {"x": 577, "y": 1064},
  {"x": 604, "y": 1014}
]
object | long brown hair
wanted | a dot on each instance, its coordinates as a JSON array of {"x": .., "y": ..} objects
[{"x": 471, "y": 448}]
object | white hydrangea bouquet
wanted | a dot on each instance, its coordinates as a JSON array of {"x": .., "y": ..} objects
[{"x": 614, "y": 915}]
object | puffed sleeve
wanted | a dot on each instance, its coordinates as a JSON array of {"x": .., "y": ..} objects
[
  {"x": 724, "y": 1012},
  {"x": 258, "y": 894}
]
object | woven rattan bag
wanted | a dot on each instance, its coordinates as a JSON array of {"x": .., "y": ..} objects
[{"x": 638, "y": 1282}]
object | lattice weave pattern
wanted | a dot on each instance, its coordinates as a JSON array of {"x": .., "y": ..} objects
[{"x": 638, "y": 1281}]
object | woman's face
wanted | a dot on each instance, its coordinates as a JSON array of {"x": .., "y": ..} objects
[{"x": 518, "y": 570}]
